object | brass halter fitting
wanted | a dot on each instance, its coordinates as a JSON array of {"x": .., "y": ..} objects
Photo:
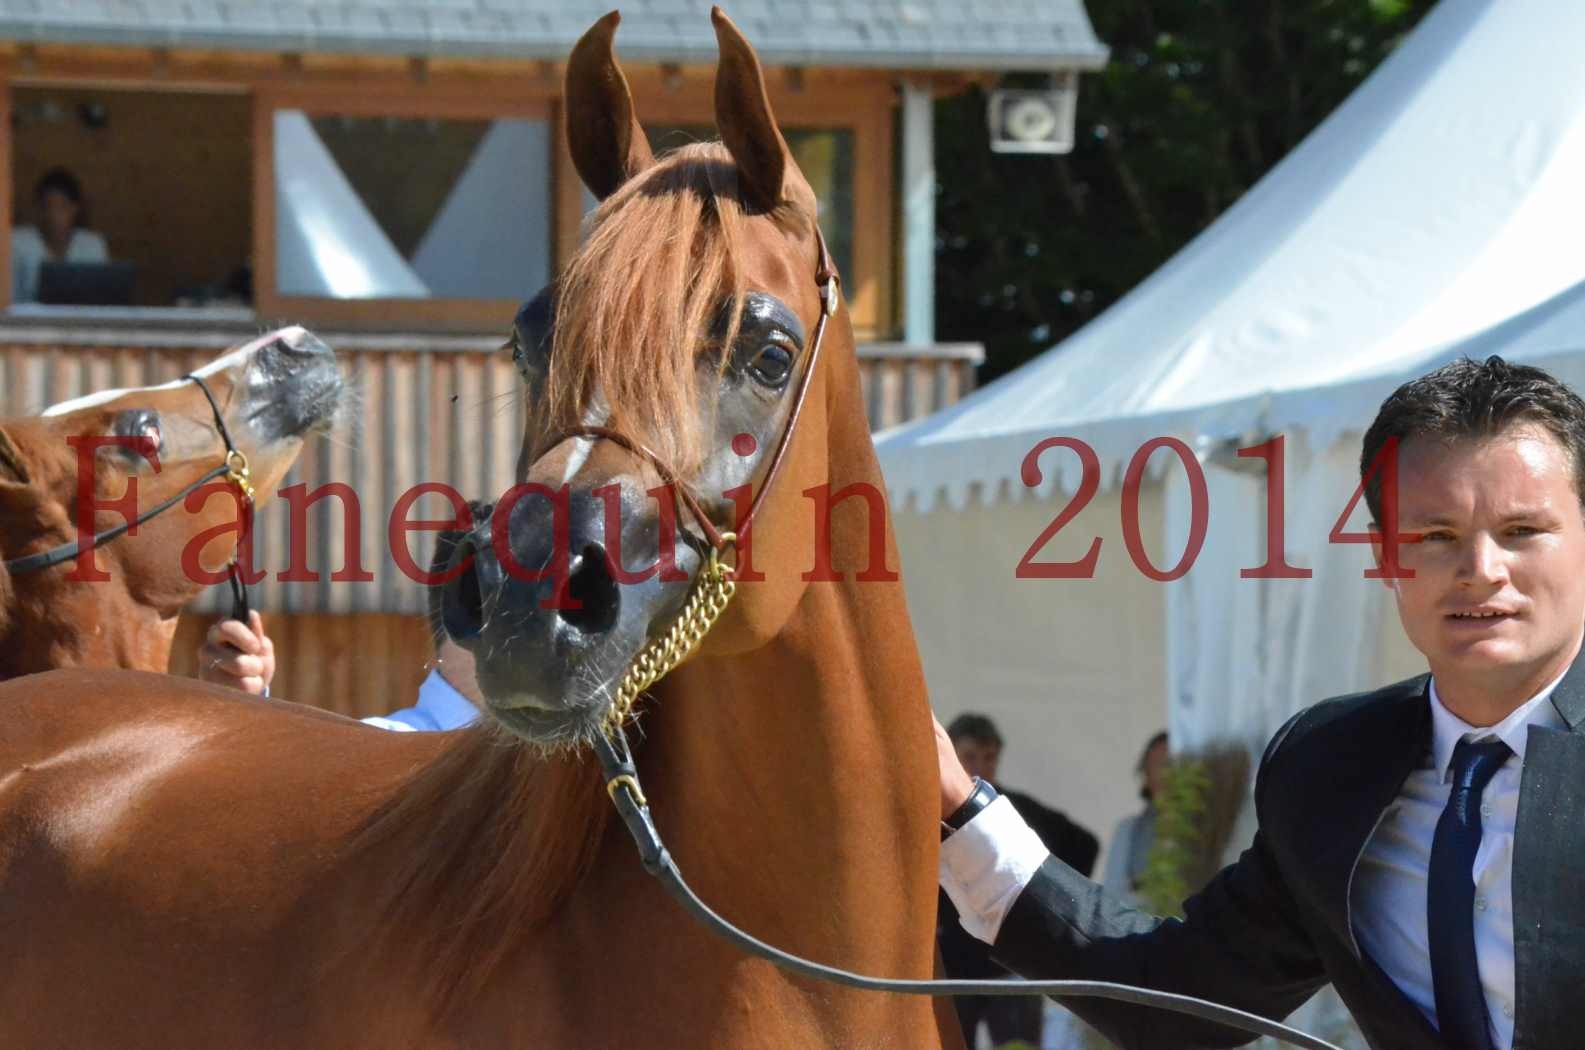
[
  {"x": 712, "y": 592},
  {"x": 239, "y": 473}
]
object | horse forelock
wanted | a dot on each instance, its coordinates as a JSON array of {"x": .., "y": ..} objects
[
  {"x": 479, "y": 848},
  {"x": 639, "y": 301}
]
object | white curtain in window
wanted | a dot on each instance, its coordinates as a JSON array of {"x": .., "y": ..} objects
[
  {"x": 491, "y": 237},
  {"x": 326, "y": 242}
]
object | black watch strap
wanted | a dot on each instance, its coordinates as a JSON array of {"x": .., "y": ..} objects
[{"x": 984, "y": 794}]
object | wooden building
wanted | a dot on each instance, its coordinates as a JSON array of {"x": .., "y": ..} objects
[{"x": 393, "y": 175}]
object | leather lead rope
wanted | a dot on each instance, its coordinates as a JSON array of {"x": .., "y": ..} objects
[{"x": 621, "y": 778}]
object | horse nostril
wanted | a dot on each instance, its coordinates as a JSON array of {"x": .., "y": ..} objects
[
  {"x": 462, "y": 607},
  {"x": 299, "y": 342},
  {"x": 594, "y": 592}
]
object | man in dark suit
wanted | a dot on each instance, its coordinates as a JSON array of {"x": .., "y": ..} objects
[
  {"x": 1422, "y": 846},
  {"x": 978, "y": 745}
]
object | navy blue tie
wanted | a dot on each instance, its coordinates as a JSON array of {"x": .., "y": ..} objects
[{"x": 1450, "y": 899}]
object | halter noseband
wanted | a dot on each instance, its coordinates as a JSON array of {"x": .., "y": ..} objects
[{"x": 234, "y": 469}]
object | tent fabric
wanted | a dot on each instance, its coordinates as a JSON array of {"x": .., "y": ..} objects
[
  {"x": 1435, "y": 214},
  {"x": 1437, "y": 203}
]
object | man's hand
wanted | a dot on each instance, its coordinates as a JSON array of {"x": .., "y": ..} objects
[
  {"x": 956, "y": 784},
  {"x": 238, "y": 654}
]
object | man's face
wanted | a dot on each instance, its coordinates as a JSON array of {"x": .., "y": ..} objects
[
  {"x": 979, "y": 757},
  {"x": 1498, "y": 594}
]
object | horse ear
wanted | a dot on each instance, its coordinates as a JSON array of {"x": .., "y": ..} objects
[
  {"x": 744, "y": 119},
  {"x": 603, "y": 134},
  {"x": 12, "y": 466}
]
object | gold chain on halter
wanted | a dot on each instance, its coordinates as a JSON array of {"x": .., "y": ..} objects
[
  {"x": 708, "y": 599},
  {"x": 239, "y": 473}
]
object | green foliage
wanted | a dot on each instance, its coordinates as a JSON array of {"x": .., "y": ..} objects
[
  {"x": 1200, "y": 99},
  {"x": 1178, "y": 851}
]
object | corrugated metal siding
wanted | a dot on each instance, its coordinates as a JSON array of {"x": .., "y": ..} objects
[{"x": 450, "y": 415}]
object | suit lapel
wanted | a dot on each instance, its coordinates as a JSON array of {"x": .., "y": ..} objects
[
  {"x": 1366, "y": 774},
  {"x": 1549, "y": 877}
]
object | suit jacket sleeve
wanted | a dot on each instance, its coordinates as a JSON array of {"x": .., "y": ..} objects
[{"x": 1239, "y": 944}]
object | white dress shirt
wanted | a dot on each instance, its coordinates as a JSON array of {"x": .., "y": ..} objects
[
  {"x": 987, "y": 863},
  {"x": 440, "y": 706},
  {"x": 1387, "y": 899}
]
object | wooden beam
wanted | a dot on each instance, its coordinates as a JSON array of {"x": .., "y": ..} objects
[
  {"x": 264, "y": 298},
  {"x": 6, "y": 218}
]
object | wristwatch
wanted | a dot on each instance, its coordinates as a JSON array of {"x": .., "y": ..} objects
[{"x": 984, "y": 794}]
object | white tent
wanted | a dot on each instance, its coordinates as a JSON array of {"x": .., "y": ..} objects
[{"x": 1439, "y": 210}]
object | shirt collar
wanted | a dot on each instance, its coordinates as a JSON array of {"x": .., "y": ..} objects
[
  {"x": 1447, "y": 729},
  {"x": 441, "y": 701}
]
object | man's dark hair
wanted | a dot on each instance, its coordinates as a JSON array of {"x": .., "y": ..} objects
[
  {"x": 59, "y": 180},
  {"x": 975, "y": 727},
  {"x": 1475, "y": 399}
]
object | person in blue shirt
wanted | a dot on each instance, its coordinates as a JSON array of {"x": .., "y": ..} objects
[{"x": 242, "y": 656}]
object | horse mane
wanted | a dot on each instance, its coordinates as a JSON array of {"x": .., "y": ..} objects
[
  {"x": 661, "y": 258},
  {"x": 508, "y": 831}
]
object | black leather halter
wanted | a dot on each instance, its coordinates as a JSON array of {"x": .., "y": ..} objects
[
  {"x": 233, "y": 468},
  {"x": 621, "y": 776}
]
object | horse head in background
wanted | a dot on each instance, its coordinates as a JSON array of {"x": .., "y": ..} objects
[{"x": 115, "y": 604}]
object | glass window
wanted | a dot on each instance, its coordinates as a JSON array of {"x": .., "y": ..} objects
[
  {"x": 825, "y": 155},
  {"x": 130, "y": 198},
  {"x": 411, "y": 208}
]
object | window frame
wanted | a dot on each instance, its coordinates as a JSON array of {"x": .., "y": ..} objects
[
  {"x": 431, "y": 314},
  {"x": 862, "y": 101}
]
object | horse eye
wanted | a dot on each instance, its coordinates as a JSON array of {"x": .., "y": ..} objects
[
  {"x": 139, "y": 423},
  {"x": 772, "y": 365}
]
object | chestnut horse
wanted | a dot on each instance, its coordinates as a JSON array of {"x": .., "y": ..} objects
[
  {"x": 269, "y": 393},
  {"x": 180, "y": 869}
]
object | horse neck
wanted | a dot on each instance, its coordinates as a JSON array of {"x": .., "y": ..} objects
[
  {"x": 96, "y": 624},
  {"x": 796, "y": 784}
]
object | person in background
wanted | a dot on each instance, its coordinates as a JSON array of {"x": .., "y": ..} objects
[
  {"x": 1008, "y": 1018},
  {"x": 242, "y": 656},
  {"x": 1131, "y": 842},
  {"x": 60, "y": 236}
]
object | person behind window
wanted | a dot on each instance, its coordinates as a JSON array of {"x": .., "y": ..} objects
[{"x": 60, "y": 235}]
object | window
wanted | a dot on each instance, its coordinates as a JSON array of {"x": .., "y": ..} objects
[
  {"x": 404, "y": 207},
  {"x": 145, "y": 197}
]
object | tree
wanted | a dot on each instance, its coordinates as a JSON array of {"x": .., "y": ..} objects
[{"x": 1200, "y": 99}]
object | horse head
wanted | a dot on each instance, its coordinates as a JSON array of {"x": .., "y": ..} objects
[
  {"x": 120, "y": 611},
  {"x": 668, "y": 362}
]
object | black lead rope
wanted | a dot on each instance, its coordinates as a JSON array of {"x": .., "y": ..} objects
[{"x": 621, "y": 777}]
